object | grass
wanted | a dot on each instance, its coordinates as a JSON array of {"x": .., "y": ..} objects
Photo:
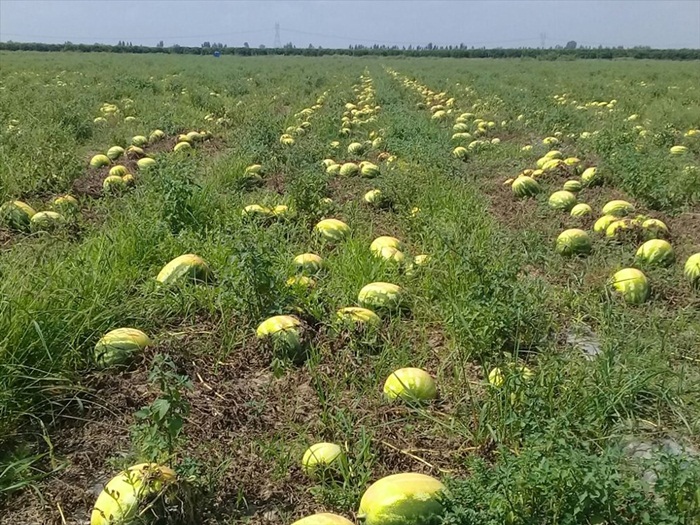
[{"x": 555, "y": 448}]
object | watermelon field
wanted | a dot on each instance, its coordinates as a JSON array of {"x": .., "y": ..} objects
[{"x": 340, "y": 290}]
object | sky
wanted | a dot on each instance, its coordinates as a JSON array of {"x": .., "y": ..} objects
[{"x": 336, "y": 23}]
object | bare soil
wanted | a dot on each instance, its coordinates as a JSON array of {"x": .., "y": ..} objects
[
  {"x": 276, "y": 182},
  {"x": 513, "y": 213},
  {"x": 7, "y": 238},
  {"x": 238, "y": 408}
]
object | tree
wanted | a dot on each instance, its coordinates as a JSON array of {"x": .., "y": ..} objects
[
  {"x": 245, "y": 44},
  {"x": 161, "y": 44},
  {"x": 571, "y": 44},
  {"x": 206, "y": 44}
]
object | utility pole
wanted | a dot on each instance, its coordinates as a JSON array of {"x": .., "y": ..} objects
[
  {"x": 278, "y": 40},
  {"x": 543, "y": 40}
]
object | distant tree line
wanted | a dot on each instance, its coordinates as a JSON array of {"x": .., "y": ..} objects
[{"x": 570, "y": 51}]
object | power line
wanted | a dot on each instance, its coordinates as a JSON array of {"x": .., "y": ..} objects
[
  {"x": 610, "y": 45},
  {"x": 278, "y": 40},
  {"x": 123, "y": 37},
  {"x": 413, "y": 43},
  {"x": 277, "y": 44},
  {"x": 369, "y": 41}
]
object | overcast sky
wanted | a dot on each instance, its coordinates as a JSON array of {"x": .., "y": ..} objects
[{"x": 489, "y": 23}]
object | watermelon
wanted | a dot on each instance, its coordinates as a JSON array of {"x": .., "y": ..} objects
[
  {"x": 356, "y": 148},
  {"x": 139, "y": 141},
  {"x": 497, "y": 376},
  {"x": 113, "y": 184},
  {"x": 590, "y": 176},
  {"x": 552, "y": 164},
  {"x": 369, "y": 170},
  {"x": 573, "y": 186},
  {"x": 618, "y": 208},
  {"x": 99, "y": 161},
  {"x": 381, "y": 295},
  {"x": 691, "y": 269},
  {"x": 375, "y": 197},
  {"x": 525, "y": 187},
  {"x": 16, "y": 215},
  {"x": 461, "y": 137},
  {"x": 601, "y": 225},
  {"x": 654, "y": 229},
  {"x": 300, "y": 282},
  {"x": 410, "y": 384},
  {"x": 195, "y": 136},
  {"x": 281, "y": 211},
  {"x": 118, "y": 171},
  {"x": 573, "y": 242},
  {"x": 308, "y": 262},
  {"x": 188, "y": 267},
  {"x": 322, "y": 457},
  {"x": 121, "y": 498},
  {"x": 581, "y": 210},
  {"x": 390, "y": 254},
  {"x": 281, "y": 329},
  {"x": 129, "y": 180},
  {"x": 678, "y": 150},
  {"x": 145, "y": 163},
  {"x": 183, "y": 147},
  {"x": 618, "y": 228},
  {"x": 403, "y": 499},
  {"x": 115, "y": 152},
  {"x": 349, "y": 169},
  {"x": 385, "y": 241},
  {"x": 417, "y": 263},
  {"x": 255, "y": 169},
  {"x": 656, "y": 252},
  {"x": 562, "y": 200},
  {"x": 118, "y": 346},
  {"x": 156, "y": 135},
  {"x": 632, "y": 284},
  {"x": 46, "y": 221},
  {"x": 66, "y": 204},
  {"x": 460, "y": 153},
  {"x": 134, "y": 152},
  {"x": 332, "y": 229},
  {"x": 255, "y": 210},
  {"x": 357, "y": 315}
]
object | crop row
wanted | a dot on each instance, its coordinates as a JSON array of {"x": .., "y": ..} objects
[
  {"x": 393, "y": 495},
  {"x": 287, "y": 335},
  {"x": 631, "y": 283},
  {"x": 634, "y": 144}
]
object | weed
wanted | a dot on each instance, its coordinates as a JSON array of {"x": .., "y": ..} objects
[{"x": 158, "y": 434}]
